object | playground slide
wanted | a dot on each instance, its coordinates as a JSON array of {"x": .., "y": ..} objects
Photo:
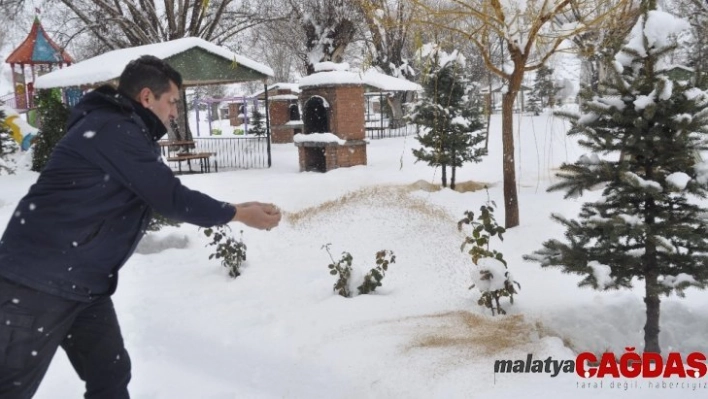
[{"x": 22, "y": 132}]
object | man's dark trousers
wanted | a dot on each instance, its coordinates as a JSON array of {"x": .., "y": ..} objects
[{"x": 33, "y": 324}]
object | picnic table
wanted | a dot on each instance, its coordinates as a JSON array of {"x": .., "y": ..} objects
[{"x": 184, "y": 151}]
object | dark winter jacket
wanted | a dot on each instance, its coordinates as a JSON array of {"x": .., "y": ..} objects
[{"x": 83, "y": 218}]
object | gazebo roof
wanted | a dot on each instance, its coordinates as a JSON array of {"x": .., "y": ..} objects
[
  {"x": 197, "y": 60},
  {"x": 39, "y": 48}
]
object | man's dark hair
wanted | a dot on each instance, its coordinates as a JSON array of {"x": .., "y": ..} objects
[{"x": 148, "y": 71}]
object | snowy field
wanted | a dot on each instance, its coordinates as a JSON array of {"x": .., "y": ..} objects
[{"x": 278, "y": 330}]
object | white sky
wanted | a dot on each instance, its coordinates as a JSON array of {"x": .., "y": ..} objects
[{"x": 278, "y": 331}]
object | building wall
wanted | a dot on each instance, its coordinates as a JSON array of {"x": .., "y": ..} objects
[{"x": 346, "y": 112}]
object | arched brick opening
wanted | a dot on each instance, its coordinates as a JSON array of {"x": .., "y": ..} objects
[
  {"x": 316, "y": 118},
  {"x": 294, "y": 112}
]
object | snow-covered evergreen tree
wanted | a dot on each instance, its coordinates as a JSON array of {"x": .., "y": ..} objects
[
  {"x": 451, "y": 125},
  {"x": 650, "y": 223},
  {"x": 257, "y": 123},
  {"x": 8, "y": 146},
  {"x": 543, "y": 88},
  {"x": 533, "y": 104}
]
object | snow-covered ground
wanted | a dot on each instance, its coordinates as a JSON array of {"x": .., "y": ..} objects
[{"x": 278, "y": 330}]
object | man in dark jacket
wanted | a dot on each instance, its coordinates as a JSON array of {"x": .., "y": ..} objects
[{"x": 81, "y": 221}]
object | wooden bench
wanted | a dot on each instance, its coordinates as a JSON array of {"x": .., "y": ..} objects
[{"x": 202, "y": 157}]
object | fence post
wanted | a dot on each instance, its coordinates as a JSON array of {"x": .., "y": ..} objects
[{"x": 267, "y": 115}]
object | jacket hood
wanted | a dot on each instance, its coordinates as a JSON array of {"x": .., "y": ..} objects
[{"x": 107, "y": 97}]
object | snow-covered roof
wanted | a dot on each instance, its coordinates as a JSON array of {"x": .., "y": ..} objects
[
  {"x": 371, "y": 78},
  {"x": 330, "y": 78},
  {"x": 284, "y": 97},
  {"x": 331, "y": 66},
  {"x": 679, "y": 66},
  {"x": 293, "y": 87},
  {"x": 110, "y": 65}
]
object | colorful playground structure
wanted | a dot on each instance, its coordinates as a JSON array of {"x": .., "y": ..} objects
[{"x": 37, "y": 55}]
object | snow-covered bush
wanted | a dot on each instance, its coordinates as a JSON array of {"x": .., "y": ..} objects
[
  {"x": 53, "y": 114},
  {"x": 158, "y": 221},
  {"x": 373, "y": 278},
  {"x": 343, "y": 268},
  {"x": 232, "y": 252},
  {"x": 489, "y": 273},
  {"x": 348, "y": 277}
]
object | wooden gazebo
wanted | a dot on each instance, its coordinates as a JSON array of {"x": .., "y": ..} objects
[
  {"x": 198, "y": 61},
  {"x": 37, "y": 54}
]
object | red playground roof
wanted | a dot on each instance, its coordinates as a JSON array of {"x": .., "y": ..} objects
[{"x": 38, "y": 48}]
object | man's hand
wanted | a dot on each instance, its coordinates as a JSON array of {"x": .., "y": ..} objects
[{"x": 258, "y": 215}]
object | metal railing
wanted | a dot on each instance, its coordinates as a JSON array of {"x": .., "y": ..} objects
[
  {"x": 376, "y": 130},
  {"x": 234, "y": 152}
]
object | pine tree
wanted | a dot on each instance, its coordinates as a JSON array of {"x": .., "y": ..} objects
[
  {"x": 8, "y": 146},
  {"x": 534, "y": 104},
  {"x": 452, "y": 124},
  {"x": 256, "y": 123},
  {"x": 53, "y": 114},
  {"x": 649, "y": 223},
  {"x": 543, "y": 89}
]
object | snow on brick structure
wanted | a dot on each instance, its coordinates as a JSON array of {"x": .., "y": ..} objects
[
  {"x": 332, "y": 102},
  {"x": 285, "y": 121}
]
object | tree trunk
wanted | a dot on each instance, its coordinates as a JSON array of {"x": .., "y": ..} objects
[
  {"x": 511, "y": 199},
  {"x": 395, "y": 102},
  {"x": 215, "y": 111},
  {"x": 653, "y": 303},
  {"x": 488, "y": 110},
  {"x": 652, "y": 290},
  {"x": 444, "y": 175},
  {"x": 452, "y": 177},
  {"x": 183, "y": 119}
]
